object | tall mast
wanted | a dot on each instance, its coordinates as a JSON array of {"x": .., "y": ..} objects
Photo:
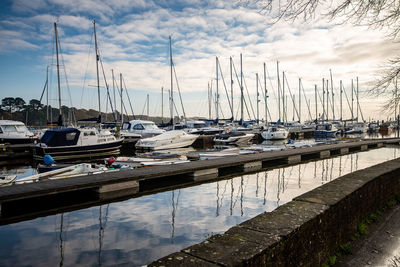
[
  {"x": 171, "y": 98},
  {"x": 241, "y": 89},
  {"x": 279, "y": 90},
  {"x": 352, "y": 100},
  {"x": 341, "y": 104},
  {"x": 58, "y": 74},
  {"x": 299, "y": 100},
  {"x": 97, "y": 66},
  {"x": 148, "y": 103},
  {"x": 47, "y": 93},
  {"x": 258, "y": 113},
  {"x": 209, "y": 100},
  {"x": 283, "y": 98},
  {"x": 266, "y": 95},
  {"x": 115, "y": 100},
  {"x": 323, "y": 100},
  {"x": 327, "y": 99},
  {"x": 357, "y": 98},
  {"x": 230, "y": 61},
  {"x": 333, "y": 97},
  {"x": 122, "y": 107},
  {"x": 316, "y": 104},
  {"x": 217, "y": 93},
  {"x": 162, "y": 104}
]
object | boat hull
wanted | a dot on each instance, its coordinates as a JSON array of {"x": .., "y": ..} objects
[{"x": 78, "y": 152}]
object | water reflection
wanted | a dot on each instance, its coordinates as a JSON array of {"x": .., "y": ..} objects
[{"x": 140, "y": 230}]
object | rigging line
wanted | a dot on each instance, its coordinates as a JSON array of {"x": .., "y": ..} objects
[
  {"x": 179, "y": 91},
  {"x": 87, "y": 67},
  {"x": 259, "y": 82},
  {"x": 270, "y": 82},
  {"x": 107, "y": 87},
  {"x": 67, "y": 84},
  {"x": 244, "y": 100},
  {"x": 226, "y": 91},
  {"x": 129, "y": 99},
  {"x": 348, "y": 102},
  {"x": 291, "y": 96},
  {"x": 305, "y": 98},
  {"x": 248, "y": 95}
]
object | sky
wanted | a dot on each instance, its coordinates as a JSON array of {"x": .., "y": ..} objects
[{"x": 133, "y": 40}]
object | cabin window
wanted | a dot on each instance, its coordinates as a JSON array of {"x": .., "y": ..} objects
[
  {"x": 138, "y": 127},
  {"x": 1, "y": 130},
  {"x": 21, "y": 128},
  {"x": 70, "y": 136},
  {"x": 126, "y": 126},
  {"x": 9, "y": 128}
]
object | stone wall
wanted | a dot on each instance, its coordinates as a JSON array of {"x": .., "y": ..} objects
[{"x": 303, "y": 232}]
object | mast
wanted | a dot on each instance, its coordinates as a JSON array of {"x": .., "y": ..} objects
[
  {"x": 148, "y": 103},
  {"x": 115, "y": 99},
  {"x": 352, "y": 101},
  {"x": 327, "y": 99},
  {"x": 357, "y": 98},
  {"x": 341, "y": 103},
  {"x": 97, "y": 67},
  {"x": 266, "y": 95},
  {"x": 258, "y": 113},
  {"x": 299, "y": 100},
  {"x": 230, "y": 61},
  {"x": 47, "y": 93},
  {"x": 283, "y": 97},
  {"x": 122, "y": 110},
  {"x": 333, "y": 97},
  {"x": 217, "y": 93},
  {"x": 171, "y": 98},
  {"x": 279, "y": 90},
  {"x": 209, "y": 100},
  {"x": 162, "y": 104},
  {"x": 323, "y": 100},
  {"x": 316, "y": 104},
  {"x": 58, "y": 77},
  {"x": 241, "y": 90}
]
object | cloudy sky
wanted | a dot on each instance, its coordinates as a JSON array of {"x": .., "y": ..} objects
[{"x": 133, "y": 40}]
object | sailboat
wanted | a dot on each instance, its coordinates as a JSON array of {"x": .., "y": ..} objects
[{"x": 75, "y": 143}]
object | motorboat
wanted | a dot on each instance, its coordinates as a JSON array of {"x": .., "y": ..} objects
[
  {"x": 386, "y": 128},
  {"x": 357, "y": 127},
  {"x": 141, "y": 128},
  {"x": 167, "y": 140},
  {"x": 197, "y": 127},
  {"x": 325, "y": 130},
  {"x": 15, "y": 132},
  {"x": 75, "y": 143},
  {"x": 233, "y": 137},
  {"x": 275, "y": 132},
  {"x": 373, "y": 127}
]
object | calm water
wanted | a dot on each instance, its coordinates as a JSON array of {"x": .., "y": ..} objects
[{"x": 144, "y": 229}]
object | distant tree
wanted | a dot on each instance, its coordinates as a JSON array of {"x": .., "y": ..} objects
[
  {"x": 381, "y": 14},
  {"x": 19, "y": 104},
  {"x": 8, "y": 103},
  {"x": 35, "y": 104}
]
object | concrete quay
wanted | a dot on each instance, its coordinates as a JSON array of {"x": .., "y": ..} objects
[{"x": 303, "y": 232}]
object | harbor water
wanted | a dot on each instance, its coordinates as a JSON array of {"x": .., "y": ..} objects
[{"x": 140, "y": 230}]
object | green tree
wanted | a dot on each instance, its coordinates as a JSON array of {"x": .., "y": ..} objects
[
  {"x": 19, "y": 104},
  {"x": 8, "y": 103},
  {"x": 35, "y": 104}
]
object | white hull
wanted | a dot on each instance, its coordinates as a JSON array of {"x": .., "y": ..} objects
[
  {"x": 168, "y": 140},
  {"x": 235, "y": 139},
  {"x": 278, "y": 134}
]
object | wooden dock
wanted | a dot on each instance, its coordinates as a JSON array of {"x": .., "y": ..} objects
[{"x": 18, "y": 202}]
